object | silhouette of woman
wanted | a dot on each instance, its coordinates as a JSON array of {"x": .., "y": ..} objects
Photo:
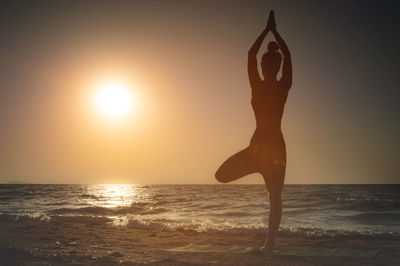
[{"x": 266, "y": 153}]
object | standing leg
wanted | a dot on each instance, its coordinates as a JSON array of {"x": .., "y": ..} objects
[
  {"x": 274, "y": 219},
  {"x": 274, "y": 180}
]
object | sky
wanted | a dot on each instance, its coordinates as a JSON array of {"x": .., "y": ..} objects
[{"x": 185, "y": 62}]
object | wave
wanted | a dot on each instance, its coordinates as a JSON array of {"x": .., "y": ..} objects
[
  {"x": 89, "y": 196},
  {"x": 153, "y": 210},
  {"x": 320, "y": 233},
  {"x": 33, "y": 216},
  {"x": 212, "y": 206},
  {"x": 43, "y": 217},
  {"x": 374, "y": 218},
  {"x": 233, "y": 214},
  {"x": 136, "y": 208},
  {"x": 207, "y": 226},
  {"x": 6, "y": 197},
  {"x": 139, "y": 222},
  {"x": 83, "y": 219},
  {"x": 369, "y": 204}
]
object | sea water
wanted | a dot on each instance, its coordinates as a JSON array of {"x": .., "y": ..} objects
[{"x": 308, "y": 210}]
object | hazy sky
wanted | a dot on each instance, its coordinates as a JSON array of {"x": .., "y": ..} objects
[{"x": 186, "y": 62}]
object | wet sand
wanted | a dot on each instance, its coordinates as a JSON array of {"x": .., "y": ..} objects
[{"x": 69, "y": 241}]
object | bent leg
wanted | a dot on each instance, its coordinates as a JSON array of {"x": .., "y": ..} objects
[{"x": 236, "y": 166}]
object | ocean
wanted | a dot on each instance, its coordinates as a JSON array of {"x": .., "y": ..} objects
[{"x": 313, "y": 211}]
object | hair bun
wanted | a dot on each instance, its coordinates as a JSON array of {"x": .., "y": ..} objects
[{"x": 272, "y": 46}]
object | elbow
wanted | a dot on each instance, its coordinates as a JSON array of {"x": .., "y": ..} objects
[
  {"x": 286, "y": 54},
  {"x": 251, "y": 52}
]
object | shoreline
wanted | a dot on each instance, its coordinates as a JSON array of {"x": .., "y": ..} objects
[{"x": 73, "y": 242}]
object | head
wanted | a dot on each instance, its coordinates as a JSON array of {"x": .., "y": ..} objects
[{"x": 271, "y": 61}]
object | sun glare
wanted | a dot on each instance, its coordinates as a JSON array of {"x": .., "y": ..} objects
[{"x": 114, "y": 100}]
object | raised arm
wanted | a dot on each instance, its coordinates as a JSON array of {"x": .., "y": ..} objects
[
  {"x": 252, "y": 69},
  {"x": 286, "y": 79}
]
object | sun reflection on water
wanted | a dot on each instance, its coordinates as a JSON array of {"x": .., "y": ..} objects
[{"x": 112, "y": 195}]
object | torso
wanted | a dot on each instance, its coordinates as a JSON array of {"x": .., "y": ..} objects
[{"x": 268, "y": 102}]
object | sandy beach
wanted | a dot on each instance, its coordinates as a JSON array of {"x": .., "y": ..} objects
[{"x": 69, "y": 241}]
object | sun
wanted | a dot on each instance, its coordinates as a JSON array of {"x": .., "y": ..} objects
[{"x": 114, "y": 100}]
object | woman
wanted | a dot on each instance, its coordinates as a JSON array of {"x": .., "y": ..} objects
[{"x": 266, "y": 153}]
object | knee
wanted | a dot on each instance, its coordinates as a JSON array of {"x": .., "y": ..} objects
[{"x": 219, "y": 175}]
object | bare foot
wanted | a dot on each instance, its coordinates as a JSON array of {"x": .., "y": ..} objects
[{"x": 268, "y": 246}]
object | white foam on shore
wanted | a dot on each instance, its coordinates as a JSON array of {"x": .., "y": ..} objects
[
  {"x": 203, "y": 226},
  {"x": 33, "y": 216},
  {"x": 139, "y": 222}
]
